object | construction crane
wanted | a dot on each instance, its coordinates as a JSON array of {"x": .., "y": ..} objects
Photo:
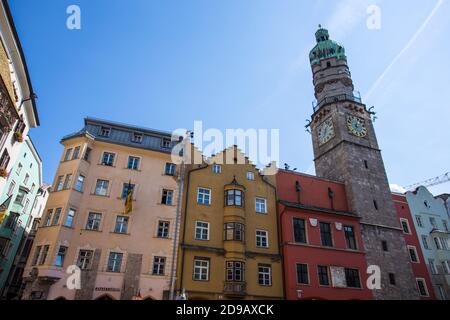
[{"x": 430, "y": 182}]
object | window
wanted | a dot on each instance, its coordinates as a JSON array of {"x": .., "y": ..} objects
[
  {"x": 87, "y": 154},
  {"x": 419, "y": 221},
  {"x": 392, "y": 279},
  {"x": 260, "y": 205},
  {"x": 126, "y": 187},
  {"x": 234, "y": 198},
  {"x": 444, "y": 243},
  {"x": 4, "y": 160},
  {"x": 101, "y": 188},
  {"x": 21, "y": 195},
  {"x": 322, "y": 272},
  {"x": 25, "y": 207},
  {"x": 201, "y": 269},
  {"x": 94, "y": 220},
  {"x": 441, "y": 292},
  {"x": 33, "y": 186},
  {"x": 167, "y": 197},
  {"x": 413, "y": 254},
  {"x": 446, "y": 267},
  {"x": 37, "y": 253},
  {"x": 405, "y": 226},
  {"x": 422, "y": 287},
  {"x": 19, "y": 169},
  {"x": 444, "y": 223},
  {"x": 108, "y": 159},
  {"x": 366, "y": 165},
  {"x": 114, "y": 262},
  {"x": 70, "y": 217},
  {"x": 76, "y": 153},
  {"x": 352, "y": 278},
  {"x": 384, "y": 245},
  {"x": 264, "y": 275},
  {"x": 433, "y": 222},
  {"x": 425, "y": 242},
  {"x": 26, "y": 179},
  {"x": 235, "y": 271},
  {"x": 44, "y": 254},
  {"x": 325, "y": 234},
  {"x": 85, "y": 259},
  {"x": 170, "y": 169},
  {"x": 163, "y": 229},
  {"x": 375, "y": 204},
  {"x": 56, "y": 216},
  {"x": 121, "y": 224},
  {"x": 350, "y": 238},
  {"x": 432, "y": 265},
  {"x": 204, "y": 196},
  {"x": 12, "y": 185},
  {"x": 79, "y": 184},
  {"x": 137, "y": 137},
  {"x": 105, "y": 131},
  {"x": 217, "y": 168},
  {"x": 67, "y": 182},
  {"x": 302, "y": 273},
  {"x": 234, "y": 231},
  {"x": 68, "y": 155},
  {"x": 201, "y": 230},
  {"x": 261, "y": 239},
  {"x": 250, "y": 175},
  {"x": 11, "y": 221},
  {"x": 59, "y": 261},
  {"x": 158, "y": 265},
  {"x": 165, "y": 143},
  {"x": 299, "y": 230},
  {"x": 48, "y": 218},
  {"x": 59, "y": 183},
  {"x": 437, "y": 243},
  {"x": 133, "y": 163}
]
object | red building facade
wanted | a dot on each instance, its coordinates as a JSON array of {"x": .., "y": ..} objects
[
  {"x": 412, "y": 241},
  {"x": 320, "y": 240}
]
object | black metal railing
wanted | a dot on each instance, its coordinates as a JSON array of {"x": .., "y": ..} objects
[
  {"x": 336, "y": 98},
  {"x": 235, "y": 288}
]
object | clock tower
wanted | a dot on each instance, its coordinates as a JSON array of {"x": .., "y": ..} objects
[{"x": 346, "y": 149}]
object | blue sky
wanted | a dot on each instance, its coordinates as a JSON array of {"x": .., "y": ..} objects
[{"x": 240, "y": 64}]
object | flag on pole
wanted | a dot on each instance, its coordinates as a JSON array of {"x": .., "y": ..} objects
[
  {"x": 3, "y": 208},
  {"x": 129, "y": 199}
]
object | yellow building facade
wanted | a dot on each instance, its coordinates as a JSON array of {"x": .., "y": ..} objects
[{"x": 229, "y": 241}]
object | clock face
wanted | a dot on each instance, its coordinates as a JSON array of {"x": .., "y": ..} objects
[
  {"x": 325, "y": 131},
  {"x": 356, "y": 126}
]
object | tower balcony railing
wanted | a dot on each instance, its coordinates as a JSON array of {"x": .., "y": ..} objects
[
  {"x": 235, "y": 288},
  {"x": 340, "y": 97}
]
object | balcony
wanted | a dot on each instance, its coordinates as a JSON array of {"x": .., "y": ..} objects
[
  {"x": 337, "y": 98},
  {"x": 237, "y": 289}
]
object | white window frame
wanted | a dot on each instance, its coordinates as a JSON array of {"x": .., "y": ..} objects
[
  {"x": 72, "y": 216},
  {"x": 110, "y": 155},
  {"x": 415, "y": 252},
  {"x": 424, "y": 285},
  {"x": 80, "y": 189},
  {"x": 419, "y": 221},
  {"x": 163, "y": 225},
  {"x": 11, "y": 188},
  {"x": 123, "y": 224},
  {"x": 265, "y": 273},
  {"x": 250, "y": 175},
  {"x": 102, "y": 186},
  {"x": 216, "y": 168},
  {"x": 425, "y": 244},
  {"x": 201, "y": 195},
  {"x": 81, "y": 261},
  {"x": 115, "y": 262},
  {"x": 202, "y": 229},
  {"x": 263, "y": 234},
  {"x": 160, "y": 263},
  {"x": 200, "y": 269},
  {"x": 89, "y": 227},
  {"x": 256, "y": 205},
  {"x": 407, "y": 225},
  {"x": 135, "y": 162},
  {"x": 432, "y": 265}
]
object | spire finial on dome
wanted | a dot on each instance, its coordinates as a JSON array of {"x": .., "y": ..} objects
[{"x": 320, "y": 26}]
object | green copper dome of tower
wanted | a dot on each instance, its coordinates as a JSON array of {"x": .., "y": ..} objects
[{"x": 325, "y": 48}]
